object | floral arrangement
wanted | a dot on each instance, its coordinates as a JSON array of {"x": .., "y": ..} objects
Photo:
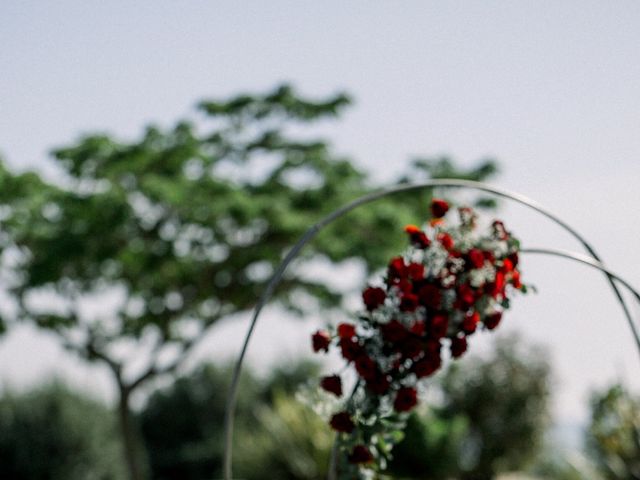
[{"x": 449, "y": 283}]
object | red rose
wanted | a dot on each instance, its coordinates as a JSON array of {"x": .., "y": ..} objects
[
  {"x": 393, "y": 331},
  {"x": 446, "y": 241},
  {"x": 515, "y": 279},
  {"x": 430, "y": 296},
  {"x": 411, "y": 347},
  {"x": 426, "y": 366},
  {"x": 373, "y": 297},
  {"x": 497, "y": 286},
  {"x": 415, "y": 271},
  {"x": 346, "y": 330},
  {"x": 360, "y": 454},
  {"x": 476, "y": 258},
  {"x": 397, "y": 268},
  {"x": 507, "y": 265},
  {"x": 466, "y": 295},
  {"x": 418, "y": 238},
  {"x": 332, "y": 384},
  {"x": 438, "y": 326},
  {"x": 379, "y": 383},
  {"x": 470, "y": 323},
  {"x": 366, "y": 367},
  {"x": 408, "y": 302},
  {"x": 406, "y": 399},
  {"x": 320, "y": 341},
  {"x": 439, "y": 208},
  {"x": 350, "y": 349},
  {"x": 419, "y": 327},
  {"x": 404, "y": 285},
  {"x": 489, "y": 256},
  {"x": 514, "y": 259},
  {"x": 341, "y": 422},
  {"x": 458, "y": 346},
  {"x": 493, "y": 320}
]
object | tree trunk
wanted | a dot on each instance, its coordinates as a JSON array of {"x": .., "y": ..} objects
[{"x": 130, "y": 443}]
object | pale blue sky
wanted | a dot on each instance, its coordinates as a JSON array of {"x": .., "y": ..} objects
[{"x": 551, "y": 89}]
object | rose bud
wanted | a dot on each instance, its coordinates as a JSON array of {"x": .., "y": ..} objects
[
  {"x": 430, "y": 296},
  {"x": 350, "y": 348},
  {"x": 446, "y": 241},
  {"x": 439, "y": 208},
  {"x": 470, "y": 323},
  {"x": 492, "y": 320},
  {"x": 415, "y": 271},
  {"x": 438, "y": 326},
  {"x": 341, "y": 422},
  {"x": 366, "y": 367},
  {"x": 418, "y": 238},
  {"x": 426, "y": 366},
  {"x": 332, "y": 384},
  {"x": 397, "y": 268},
  {"x": 458, "y": 346},
  {"x": 373, "y": 297},
  {"x": 476, "y": 258},
  {"x": 408, "y": 302},
  {"x": 346, "y": 330},
  {"x": 406, "y": 399},
  {"x": 393, "y": 331},
  {"x": 360, "y": 454},
  {"x": 321, "y": 341},
  {"x": 378, "y": 384}
]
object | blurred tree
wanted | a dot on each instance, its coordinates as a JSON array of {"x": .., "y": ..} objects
[
  {"x": 491, "y": 418},
  {"x": 182, "y": 428},
  {"x": 52, "y": 433},
  {"x": 613, "y": 439},
  {"x": 183, "y": 227}
]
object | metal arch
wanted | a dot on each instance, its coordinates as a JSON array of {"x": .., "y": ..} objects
[{"x": 313, "y": 230}]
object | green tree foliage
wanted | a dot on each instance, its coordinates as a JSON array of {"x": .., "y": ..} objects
[
  {"x": 52, "y": 433},
  {"x": 491, "y": 417},
  {"x": 184, "y": 226},
  {"x": 613, "y": 438},
  {"x": 182, "y": 428}
]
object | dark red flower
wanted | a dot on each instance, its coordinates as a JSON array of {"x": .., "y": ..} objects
[
  {"x": 475, "y": 257},
  {"x": 488, "y": 255},
  {"x": 406, "y": 399},
  {"x": 404, "y": 285},
  {"x": 439, "y": 208},
  {"x": 408, "y": 302},
  {"x": 430, "y": 296},
  {"x": 415, "y": 271},
  {"x": 379, "y": 383},
  {"x": 418, "y": 238},
  {"x": 427, "y": 366},
  {"x": 321, "y": 341},
  {"x": 446, "y": 241},
  {"x": 411, "y": 347},
  {"x": 360, "y": 454},
  {"x": 515, "y": 279},
  {"x": 492, "y": 320},
  {"x": 438, "y": 326},
  {"x": 507, "y": 265},
  {"x": 458, "y": 346},
  {"x": 418, "y": 327},
  {"x": 350, "y": 349},
  {"x": 332, "y": 384},
  {"x": 397, "y": 268},
  {"x": 341, "y": 422},
  {"x": 366, "y": 367},
  {"x": 346, "y": 330},
  {"x": 466, "y": 295},
  {"x": 514, "y": 259},
  {"x": 470, "y": 323},
  {"x": 373, "y": 297},
  {"x": 393, "y": 331}
]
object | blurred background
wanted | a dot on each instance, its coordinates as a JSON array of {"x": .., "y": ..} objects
[{"x": 159, "y": 158}]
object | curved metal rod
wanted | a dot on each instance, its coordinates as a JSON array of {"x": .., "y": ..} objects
[
  {"x": 585, "y": 260},
  {"x": 313, "y": 230}
]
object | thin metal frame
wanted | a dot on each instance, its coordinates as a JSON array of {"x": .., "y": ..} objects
[{"x": 594, "y": 261}]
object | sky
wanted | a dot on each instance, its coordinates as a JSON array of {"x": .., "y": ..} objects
[{"x": 550, "y": 89}]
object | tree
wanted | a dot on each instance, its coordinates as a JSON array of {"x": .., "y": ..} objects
[
  {"x": 181, "y": 426},
  {"x": 491, "y": 417},
  {"x": 183, "y": 227},
  {"x": 56, "y": 434},
  {"x": 613, "y": 438}
]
